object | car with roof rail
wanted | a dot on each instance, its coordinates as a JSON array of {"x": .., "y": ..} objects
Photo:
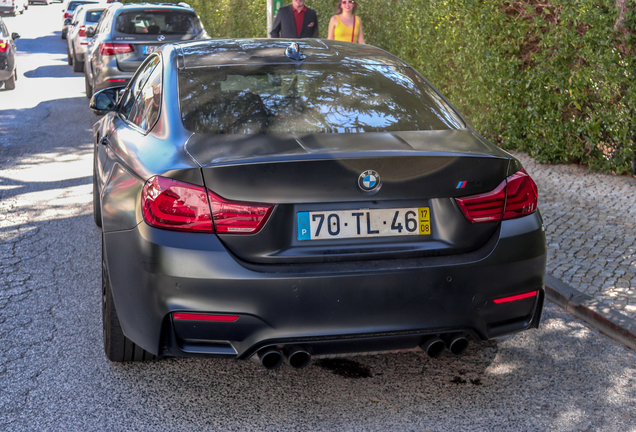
[
  {"x": 85, "y": 17},
  {"x": 69, "y": 10},
  {"x": 127, "y": 33},
  {"x": 287, "y": 200}
]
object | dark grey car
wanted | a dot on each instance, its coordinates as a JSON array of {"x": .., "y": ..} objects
[
  {"x": 8, "y": 49},
  {"x": 257, "y": 199},
  {"x": 127, "y": 34}
]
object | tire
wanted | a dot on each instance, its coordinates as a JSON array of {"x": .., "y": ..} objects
[
  {"x": 97, "y": 204},
  {"x": 78, "y": 66},
  {"x": 69, "y": 57},
  {"x": 10, "y": 83},
  {"x": 117, "y": 347},
  {"x": 88, "y": 87},
  {"x": 64, "y": 33}
]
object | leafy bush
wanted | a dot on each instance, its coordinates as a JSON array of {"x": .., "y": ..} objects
[{"x": 550, "y": 77}]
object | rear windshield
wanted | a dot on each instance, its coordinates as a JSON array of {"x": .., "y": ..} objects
[
  {"x": 310, "y": 99},
  {"x": 74, "y": 4},
  {"x": 93, "y": 16},
  {"x": 166, "y": 22}
]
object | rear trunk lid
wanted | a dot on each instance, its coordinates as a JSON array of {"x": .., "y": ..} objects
[{"x": 318, "y": 179}]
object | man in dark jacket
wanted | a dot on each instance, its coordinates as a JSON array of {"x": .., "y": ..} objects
[{"x": 295, "y": 21}]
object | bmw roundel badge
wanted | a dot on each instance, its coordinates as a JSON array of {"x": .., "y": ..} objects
[
  {"x": 369, "y": 181},
  {"x": 161, "y": 38}
]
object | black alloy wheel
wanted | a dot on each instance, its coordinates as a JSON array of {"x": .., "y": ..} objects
[{"x": 117, "y": 347}]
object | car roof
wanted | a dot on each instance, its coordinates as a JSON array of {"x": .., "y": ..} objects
[
  {"x": 142, "y": 6},
  {"x": 218, "y": 52}
]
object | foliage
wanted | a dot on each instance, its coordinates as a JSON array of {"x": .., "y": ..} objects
[{"x": 550, "y": 77}]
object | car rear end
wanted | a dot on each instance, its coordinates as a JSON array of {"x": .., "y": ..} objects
[
  {"x": 138, "y": 31},
  {"x": 10, "y": 7},
  {"x": 68, "y": 13},
  {"x": 340, "y": 206},
  {"x": 89, "y": 19}
]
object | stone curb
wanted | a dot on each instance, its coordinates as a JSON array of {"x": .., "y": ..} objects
[{"x": 607, "y": 320}]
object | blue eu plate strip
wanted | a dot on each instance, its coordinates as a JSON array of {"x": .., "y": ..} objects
[{"x": 303, "y": 226}]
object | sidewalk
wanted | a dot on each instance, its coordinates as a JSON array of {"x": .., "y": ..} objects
[{"x": 590, "y": 222}]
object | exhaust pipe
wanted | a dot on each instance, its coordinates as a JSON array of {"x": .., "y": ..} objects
[
  {"x": 434, "y": 346},
  {"x": 297, "y": 356},
  {"x": 457, "y": 344},
  {"x": 270, "y": 357}
]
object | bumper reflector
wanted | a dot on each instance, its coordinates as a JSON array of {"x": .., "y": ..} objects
[
  {"x": 204, "y": 317},
  {"x": 516, "y": 297}
]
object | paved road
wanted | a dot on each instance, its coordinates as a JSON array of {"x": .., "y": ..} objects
[{"x": 54, "y": 376}]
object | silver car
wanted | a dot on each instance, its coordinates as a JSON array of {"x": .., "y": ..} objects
[
  {"x": 85, "y": 17},
  {"x": 69, "y": 10},
  {"x": 127, "y": 34}
]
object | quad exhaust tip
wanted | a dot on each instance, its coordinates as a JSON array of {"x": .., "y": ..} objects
[
  {"x": 271, "y": 358},
  {"x": 297, "y": 356},
  {"x": 433, "y": 346},
  {"x": 456, "y": 343}
]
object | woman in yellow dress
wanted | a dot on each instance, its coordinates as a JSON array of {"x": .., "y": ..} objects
[{"x": 345, "y": 25}]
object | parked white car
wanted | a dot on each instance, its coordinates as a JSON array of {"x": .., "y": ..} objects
[
  {"x": 85, "y": 16},
  {"x": 13, "y": 7}
]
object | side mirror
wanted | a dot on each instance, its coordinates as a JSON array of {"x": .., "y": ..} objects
[
  {"x": 15, "y": 36},
  {"x": 90, "y": 32},
  {"x": 68, "y": 21},
  {"x": 106, "y": 100}
]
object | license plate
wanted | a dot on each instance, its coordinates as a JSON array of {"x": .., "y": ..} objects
[
  {"x": 149, "y": 49},
  {"x": 341, "y": 224}
]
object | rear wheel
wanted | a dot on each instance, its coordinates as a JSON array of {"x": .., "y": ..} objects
[
  {"x": 78, "y": 66},
  {"x": 69, "y": 58},
  {"x": 10, "y": 83},
  {"x": 88, "y": 87},
  {"x": 117, "y": 346}
]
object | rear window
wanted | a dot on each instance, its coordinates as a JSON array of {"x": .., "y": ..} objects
[
  {"x": 93, "y": 16},
  {"x": 310, "y": 99},
  {"x": 74, "y": 4},
  {"x": 166, "y": 22}
]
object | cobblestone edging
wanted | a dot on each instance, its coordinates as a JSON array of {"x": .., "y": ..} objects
[{"x": 590, "y": 222}]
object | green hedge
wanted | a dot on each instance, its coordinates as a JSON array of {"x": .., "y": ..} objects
[{"x": 548, "y": 77}]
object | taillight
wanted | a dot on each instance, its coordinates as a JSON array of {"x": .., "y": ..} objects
[
  {"x": 4, "y": 46},
  {"x": 67, "y": 15},
  {"x": 231, "y": 217},
  {"x": 522, "y": 196},
  {"x": 81, "y": 32},
  {"x": 175, "y": 205},
  {"x": 514, "y": 197},
  {"x": 109, "y": 49}
]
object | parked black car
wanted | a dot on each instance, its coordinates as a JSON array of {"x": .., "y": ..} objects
[
  {"x": 258, "y": 197},
  {"x": 127, "y": 34},
  {"x": 8, "y": 69}
]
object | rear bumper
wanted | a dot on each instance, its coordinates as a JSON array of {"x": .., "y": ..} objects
[
  {"x": 8, "y": 9},
  {"x": 331, "y": 308}
]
